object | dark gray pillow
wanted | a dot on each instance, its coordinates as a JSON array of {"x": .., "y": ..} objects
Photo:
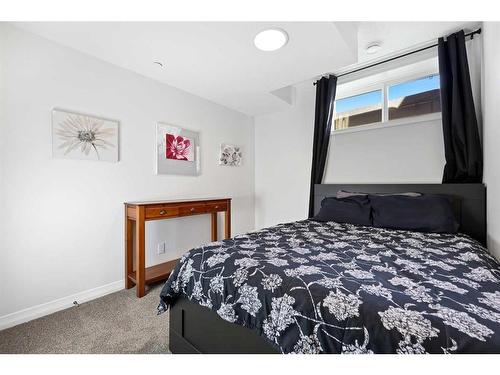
[
  {"x": 426, "y": 213},
  {"x": 352, "y": 210}
]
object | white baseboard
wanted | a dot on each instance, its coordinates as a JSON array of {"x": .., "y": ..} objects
[{"x": 38, "y": 311}]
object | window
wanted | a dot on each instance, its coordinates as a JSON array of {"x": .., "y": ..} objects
[
  {"x": 358, "y": 110},
  {"x": 384, "y": 100},
  {"x": 414, "y": 98}
]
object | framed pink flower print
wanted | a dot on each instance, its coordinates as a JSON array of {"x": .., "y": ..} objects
[{"x": 177, "y": 150}]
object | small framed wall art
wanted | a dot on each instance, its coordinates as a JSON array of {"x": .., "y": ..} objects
[
  {"x": 81, "y": 136},
  {"x": 177, "y": 150},
  {"x": 230, "y": 155}
]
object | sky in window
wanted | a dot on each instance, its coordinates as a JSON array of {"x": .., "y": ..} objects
[
  {"x": 358, "y": 101},
  {"x": 396, "y": 91},
  {"x": 414, "y": 87}
]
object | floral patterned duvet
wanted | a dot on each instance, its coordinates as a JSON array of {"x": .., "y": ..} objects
[{"x": 310, "y": 287}]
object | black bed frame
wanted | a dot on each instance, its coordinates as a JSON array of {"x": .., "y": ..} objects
[{"x": 197, "y": 329}]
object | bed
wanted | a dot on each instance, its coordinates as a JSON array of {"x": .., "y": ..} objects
[{"x": 312, "y": 287}]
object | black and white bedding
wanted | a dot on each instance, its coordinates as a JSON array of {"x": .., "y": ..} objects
[{"x": 311, "y": 287}]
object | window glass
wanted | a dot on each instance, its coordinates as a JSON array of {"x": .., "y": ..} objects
[
  {"x": 414, "y": 98},
  {"x": 358, "y": 110}
]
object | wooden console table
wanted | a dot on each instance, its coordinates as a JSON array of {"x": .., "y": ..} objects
[{"x": 140, "y": 212}]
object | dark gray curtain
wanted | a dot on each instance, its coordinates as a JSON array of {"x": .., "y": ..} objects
[
  {"x": 325, "y": 96},
  {"x": 462, "y": 145}
]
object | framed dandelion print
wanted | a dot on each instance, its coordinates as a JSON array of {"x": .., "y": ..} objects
[
  {"x": 81, "y": 136},
  {"x": 177, "y": 150},
  {"x": 230, "y": 155}
]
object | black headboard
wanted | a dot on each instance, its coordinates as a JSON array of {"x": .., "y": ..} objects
[{"x": 469, "y": 200}]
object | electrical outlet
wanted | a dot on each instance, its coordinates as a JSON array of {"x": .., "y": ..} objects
[{"x": 161, "y": 248}]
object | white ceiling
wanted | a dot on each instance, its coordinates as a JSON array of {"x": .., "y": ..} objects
[
  {"x": 218, "y": 60},
  {"x": 398, "y": 36}
]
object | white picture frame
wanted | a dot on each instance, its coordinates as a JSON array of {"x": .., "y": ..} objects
[
  {"x": 230, "y": 155},
  {"x": 178, "y": 158},
  {"x": 82, "y": 136}
]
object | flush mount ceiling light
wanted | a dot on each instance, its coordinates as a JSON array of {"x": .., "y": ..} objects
[
  {"x": 373, "y": 48},
  {"x": 270, "y": 39}
]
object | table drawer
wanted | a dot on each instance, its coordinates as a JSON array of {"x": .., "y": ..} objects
[
  {"x": 192, "y": 209},
  {"x": 216, "y": 206},
  {"x": 158, "y": 212}
]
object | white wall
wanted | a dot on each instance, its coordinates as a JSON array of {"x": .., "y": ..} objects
[
  {"x": 2, "y": 179},
  {"x": 283, "y": 143},
  {"x": 63, "y": 219},
  {"x": 491, "y": 128}
]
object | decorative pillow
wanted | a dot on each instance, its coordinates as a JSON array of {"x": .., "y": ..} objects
[
  {"x": 426, "y": 213},
  {"x": 347, "y": 194},
  {"x": 353, "y": 210}
]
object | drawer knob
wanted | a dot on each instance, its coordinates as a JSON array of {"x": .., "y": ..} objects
[
  {"x": 163, "y": 212},
  {"x": 192, "y": 209}
]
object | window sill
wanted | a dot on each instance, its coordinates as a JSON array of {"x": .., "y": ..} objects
[{"x": 389, "y": 124}]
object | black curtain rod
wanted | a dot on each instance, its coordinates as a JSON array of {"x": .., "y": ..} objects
[{"x": 471, "y": 34}]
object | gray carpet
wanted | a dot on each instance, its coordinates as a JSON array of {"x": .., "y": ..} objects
[{"x": 116, "y": 323}]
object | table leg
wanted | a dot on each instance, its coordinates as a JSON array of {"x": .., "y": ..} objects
[
  {"x": 140, "y": 264},
  {"x": 129, "y": 260},
  {"x": 214, "y": 226},
  {"x": 227, "y": 221}
]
